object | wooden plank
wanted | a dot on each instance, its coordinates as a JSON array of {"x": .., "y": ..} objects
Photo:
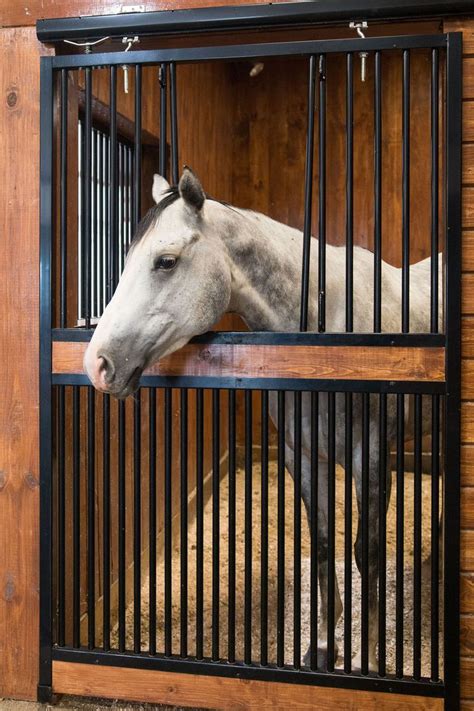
[
  {"x": 19, "y": 425},
  {"x": 467, "y": 635},
  {"x": 467, "y": 593},
  {"x": 467, "y": 551},
  {"x": 219, "y": 692},
  {"x": 345, "y": 363},
  {"x": 467, "y": 465},
  {"x": 468, "y": 163},
  {"x": 468, "y": 251},
  {"x": 467, "y": 677},
  {"x": 467, "y": 507},
  {"x": 467, "y": 337},
  {"x": 467, "y": 374},
  {"x": 467, "y": 422},
  {"x": 468, "y": 78},
  {"x": 467, "y": 305},
  {"x": 468, "y": 120},
  {"x": 468, "y": 207}
]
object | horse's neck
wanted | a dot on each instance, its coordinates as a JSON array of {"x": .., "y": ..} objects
[{"x": 266, "y": 271}]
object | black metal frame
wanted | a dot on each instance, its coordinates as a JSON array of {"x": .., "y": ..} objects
[
  {"x": 245, "y": 17},
  {"x": 450, "y": 687}
]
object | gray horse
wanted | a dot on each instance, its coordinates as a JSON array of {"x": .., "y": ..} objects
[{"x": 194, "y": 259}]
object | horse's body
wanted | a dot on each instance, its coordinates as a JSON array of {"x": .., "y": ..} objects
[{"x": 195, "y": 259}]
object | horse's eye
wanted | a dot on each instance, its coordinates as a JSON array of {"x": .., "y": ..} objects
[{"x": 166, "y": 262}]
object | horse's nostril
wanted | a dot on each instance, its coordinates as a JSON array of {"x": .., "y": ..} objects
[{"x": 106, "y": 368}]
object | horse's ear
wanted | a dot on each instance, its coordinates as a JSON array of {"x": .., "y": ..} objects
[
  {"x": 160, "y": 184},
  {"x": 191, "y": 189}
]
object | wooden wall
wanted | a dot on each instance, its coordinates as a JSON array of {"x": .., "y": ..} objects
[{"x": 467, "y": 410}]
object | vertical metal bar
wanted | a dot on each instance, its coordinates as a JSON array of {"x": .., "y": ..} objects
[
  {"x": 435, "y": 473},
  {"x": 46, "y": 503},
  {"x": 184, "y": 520},
  {"x": 406, "y": 194},
  {"x": 137, "y": 523},
  {"x": 314, "y": 530},
  {"x": 378, "y": 194},
  {"x": 121, "y": 201},
  {"x": 297, "y": 533},
  {"x": 174, "y": 125},
  {"x": 434, "y": 190},
  {"x": 348, "y": 441},
  {"x": 308, "y": 196},
  {"x": 86, "y": 205},
  {"x": 152, "y": 519},
  {"x": 232, "y": 531},
  {"x": 90, "y": 517},
  {"x": 107, "y": 230},
  {"x": 400, "y": 515},
  {"x": 322, "y": 196},
  {"x": 199, "y": 522},
  {"x": 365, "y": 525},
  {"x": 163, "y": 71},
  {"x": 76, "y": 516},
  {"x": 106, "y": 521},
  {"x": 349, "y": 193},
  {"x": 264, "y": 531},
  {"x": 383, "y": 460},
  {"x": 331, "y": 396},
  {"x": 63, "y": 198},
  {"x": 121, "y": 525},
  {"x": 61, "y": 515},
  {"x": 281, "y": 532},
  {"x": 417, "y": 523},
  {"x": 248, "y": 530},
  {"x": 137, "y": 152},
  {"x": 453, "y": 350},
  {"x": 215, "y": 522},
  {"x": 113, "y": 189},
  {"x": 100, "y": 222},
  {"x": 168, "y": 521},
  {"x": 94, "y": 239}
]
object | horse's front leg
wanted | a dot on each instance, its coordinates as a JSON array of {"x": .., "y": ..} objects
[
  {"x": 372, "y": 552},
  {"x": 323, "y": 561}
]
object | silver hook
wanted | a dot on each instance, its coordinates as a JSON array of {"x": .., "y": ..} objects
[
  {"x": 129, "y": 41},
  {"x": 358, "y": 27}
]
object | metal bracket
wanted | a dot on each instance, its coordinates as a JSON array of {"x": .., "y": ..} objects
[
  {"x": 87, "y": 45},
  {"x": 129, "y": 41},
  {"x": 359, "y": 27}
]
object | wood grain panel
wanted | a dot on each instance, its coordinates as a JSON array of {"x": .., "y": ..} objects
[
  {"x": 19, "y": 464},
  {"x": 467, "y": 635},
  {"x": 220, "y": 692},
  {"x": 467, "y": 677},
  {"x": 468, "y": 250},
  {"x": 467, "y": 593},
  {"x": 467, "y": 28},
  {"x": 468, "y": 163},
  {"x": 468, "y": 78},
  {"x": 468, "y": 120},
  {"x": 467, "y": 465},
  {"x": 467, "y": 378},
  {"x": 467, "y": 305},
  {"x": 467, "y": 422},
  {"x": 467, "y": 507},
  {"x": 467, "y": 343},
  {"x": 346, "y": 363},
  {"x": 468, "y": 208},
  {"x": 467, "y": 551}
]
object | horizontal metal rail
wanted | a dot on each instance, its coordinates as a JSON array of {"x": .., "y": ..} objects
[{"x": 249, "y": 51}]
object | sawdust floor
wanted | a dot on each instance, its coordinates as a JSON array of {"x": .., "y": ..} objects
[{"x": 289, "y": 589}]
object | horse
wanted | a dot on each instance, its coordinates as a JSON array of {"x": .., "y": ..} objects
[{"x": 193, "y": 259}]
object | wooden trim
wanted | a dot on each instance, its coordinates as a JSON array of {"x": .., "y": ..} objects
[
  {"x": 309, "y": 362},
  {"x": 219, "y": 692}
]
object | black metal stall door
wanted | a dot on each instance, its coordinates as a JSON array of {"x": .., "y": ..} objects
[{"x": 92, "y": 609}]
